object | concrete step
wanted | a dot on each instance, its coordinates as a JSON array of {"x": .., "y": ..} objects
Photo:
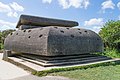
[
  {"x": 77, "y": 59},
  {"x": 51, "y": 58},
  {"x": 33, "y": 65},
  {"x": 66, "y": 62}
]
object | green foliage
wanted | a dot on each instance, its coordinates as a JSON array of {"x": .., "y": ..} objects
[
  {"x": 1, "y": 46},
  {"x": 113, "y": 53},
  {"x": 6, "y": 32},
  {"x": 1, "y": 40},
  {"x": 110, "y": 34},
  {"x": 3, "y": 35}
]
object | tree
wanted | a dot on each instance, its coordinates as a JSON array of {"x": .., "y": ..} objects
[
  {"x": 110, "y": 34},
  {"x": 3, "y": 35},
  {"x": 0, "y": 40}
]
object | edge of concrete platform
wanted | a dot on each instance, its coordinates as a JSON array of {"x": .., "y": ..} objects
[
  {"x": 33, "y": 69},
  {"x": 112, "y": 62},
  {"x": 25, "y": 67}
]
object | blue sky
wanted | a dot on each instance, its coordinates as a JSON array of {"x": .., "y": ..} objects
[{"x": 91, "y": 14}]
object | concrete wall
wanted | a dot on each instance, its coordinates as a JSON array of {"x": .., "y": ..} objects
[
  {"x": 54, "y": 41},
  {"x": 70, "y": 41}
]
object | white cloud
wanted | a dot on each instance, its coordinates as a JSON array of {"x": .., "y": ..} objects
[
  {"x": 4, "y": 7},
  {"x": 86, "y": 3},
  {"x": 11, "y": 9},
  {"x": 16, "y": 6},
  {"x": 2, "y": 22},
  {"x": 71, "y": 3},
  {"x": 96, "y": 28},
  {"x": 118, "y": 5},
  {"x": 108, "y": 4},
  {"x": 64, "y": 4},
  {"x": 74, "y": 3},
  {"x": 6, "y": 25},
  {"x": 94, "y": 22},
  {"x": 12, "y": 14},
  {"x": 47, "y": 1}
]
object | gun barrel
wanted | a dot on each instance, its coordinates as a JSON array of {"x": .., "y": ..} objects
[{"x": 41, "y": 21}]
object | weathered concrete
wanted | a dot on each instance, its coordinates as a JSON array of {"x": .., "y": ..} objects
[
  {"x": 54, "y": 41},
  {"x": 34, "y": 65},
  {"x": 61, "y": 62},
  {"x": 41, "y": 21},
  {"x": 6, "y": 54},
  {"x": 22, "y": 27}
]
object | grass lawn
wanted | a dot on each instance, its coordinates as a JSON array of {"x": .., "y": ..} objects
[{"x": 97, "y": 73}]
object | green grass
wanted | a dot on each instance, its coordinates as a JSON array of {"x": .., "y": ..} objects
[
  {"x": 98, "y": 73},
  {"x": 55, "y": 70}
]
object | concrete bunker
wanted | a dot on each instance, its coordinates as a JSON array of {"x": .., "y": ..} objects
[{"x": 52, "y": 41}]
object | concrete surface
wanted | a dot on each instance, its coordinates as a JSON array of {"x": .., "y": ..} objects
[
  {"x": 10, "y": 71},
  {"x": 32, "y": 77},
  {"x": 35, "y": 65}
]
